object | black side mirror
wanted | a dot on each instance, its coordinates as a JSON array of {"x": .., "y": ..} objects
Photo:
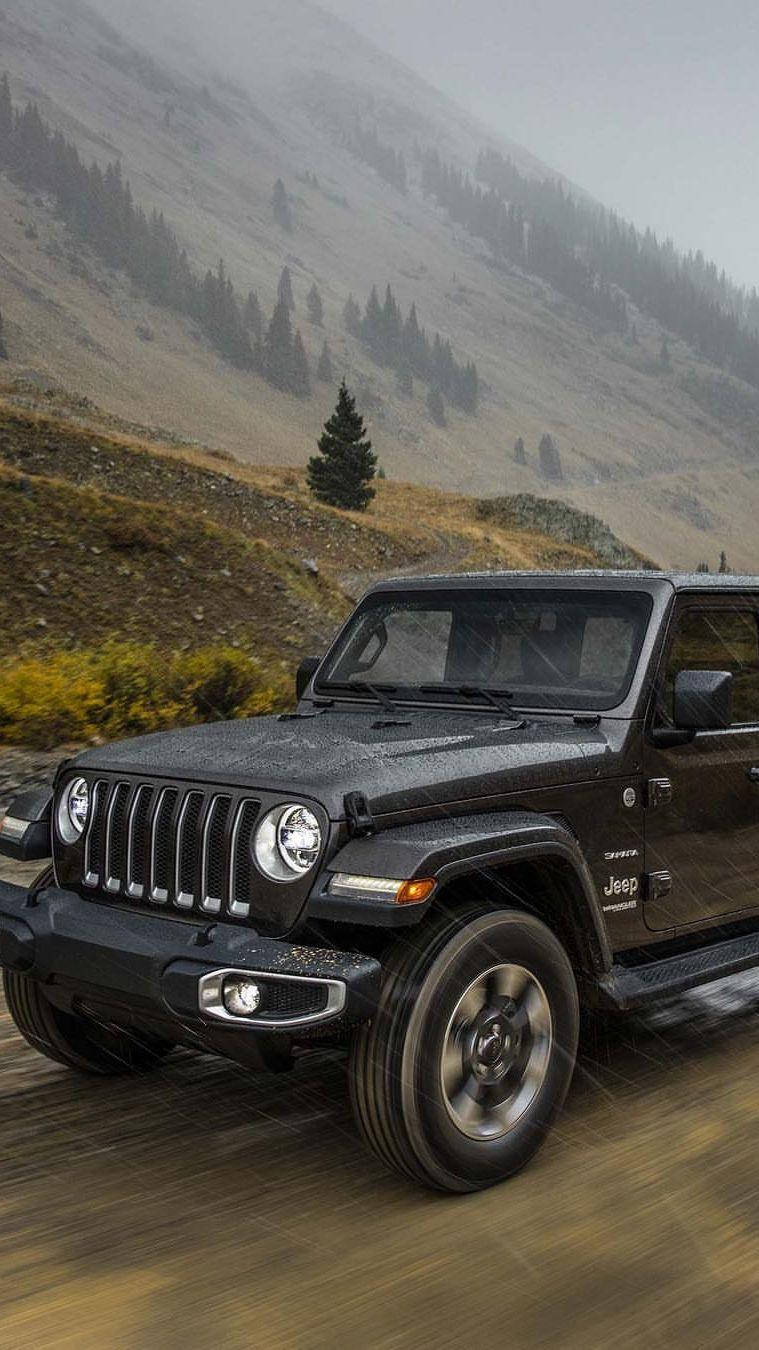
[
  {"x": 305, "y": 673},
  {"x": 703, "y": 700}
]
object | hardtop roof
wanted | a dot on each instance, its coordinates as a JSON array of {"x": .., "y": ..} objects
[{"x": 604, "y": 579}]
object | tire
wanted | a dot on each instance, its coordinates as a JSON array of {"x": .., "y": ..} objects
[
  {"x": 76, "y": 1041},
  {"x": 515, "y": 1054},
  {"x": 70, "y": 1039}
]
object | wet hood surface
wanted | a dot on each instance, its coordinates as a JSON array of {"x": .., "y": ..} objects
[{"x": 435, "y": 757}]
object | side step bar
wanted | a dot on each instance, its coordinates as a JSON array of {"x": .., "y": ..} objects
[{"x": 627, "y": 987}]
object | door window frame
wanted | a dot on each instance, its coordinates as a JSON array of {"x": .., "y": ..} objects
[{"x": 745, "y": 602}]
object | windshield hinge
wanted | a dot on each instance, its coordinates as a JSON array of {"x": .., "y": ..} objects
[{"x": 359, "y": 817}]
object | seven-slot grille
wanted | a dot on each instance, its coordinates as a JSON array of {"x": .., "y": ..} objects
[{"x": 162, "y": 844}]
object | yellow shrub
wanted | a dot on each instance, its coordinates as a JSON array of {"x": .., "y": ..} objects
[{"x": 125, "y": 688}]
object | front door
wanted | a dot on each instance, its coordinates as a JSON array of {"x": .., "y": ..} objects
[{"x": 704, "y": 834}]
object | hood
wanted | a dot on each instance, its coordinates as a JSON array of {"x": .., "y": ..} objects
[{"x": 436, "y": 757}]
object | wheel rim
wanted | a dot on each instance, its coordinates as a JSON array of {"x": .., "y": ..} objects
[{"x": 496, "y": 1051}]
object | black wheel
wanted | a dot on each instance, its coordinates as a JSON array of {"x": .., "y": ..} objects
[
  {"x": 458, "y": 1077},
  {"x": 76, "y": 1041},
  {"x": 70, "y": 1039}
]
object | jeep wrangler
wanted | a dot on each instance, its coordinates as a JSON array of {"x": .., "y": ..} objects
[{"x": 500, "y": 799}]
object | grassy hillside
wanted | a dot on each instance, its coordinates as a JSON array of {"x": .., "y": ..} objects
[{"x": 200, "y": 140}]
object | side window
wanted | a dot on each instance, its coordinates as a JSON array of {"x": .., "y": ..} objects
[{"x": 717, "y": 639}]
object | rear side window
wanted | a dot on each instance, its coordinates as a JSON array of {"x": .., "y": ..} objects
[{"x": 718, "y": 639}]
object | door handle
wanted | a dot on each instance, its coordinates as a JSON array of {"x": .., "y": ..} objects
[{"x": 753, "y": 773}]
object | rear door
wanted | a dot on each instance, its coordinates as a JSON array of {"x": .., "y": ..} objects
[{"x": 702, "y": 822}]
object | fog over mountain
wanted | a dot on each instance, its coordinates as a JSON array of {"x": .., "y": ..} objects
[
  {"x": 651, "y": 107},
  {"x": 395, "y": 172}
]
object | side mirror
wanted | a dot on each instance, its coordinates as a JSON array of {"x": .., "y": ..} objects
[
  {"x": 25, "y": 827},
  {"x": 305, "y": 673},
  {"x": 703, "y": 700}
]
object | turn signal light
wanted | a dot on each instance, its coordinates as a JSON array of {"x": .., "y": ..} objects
[{"x": 415, "y": 892}]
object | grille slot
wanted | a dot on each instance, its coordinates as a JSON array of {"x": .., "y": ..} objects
[
  {"x": 242, "y": 859},
  {"x": 187, "y": 849},
  {"x": 94, "y": 843},
  {"x": 162, "y": 846},
  {"x": 116, "y": 838},
  {"x": 214, "y": 853},
  {"x": 137, "y": 842},
  {"x": 166, "y": 844}
]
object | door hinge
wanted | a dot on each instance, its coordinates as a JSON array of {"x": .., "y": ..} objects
[
  {"x": 658, "y": 884},
  {"x": 359, "y": 817},
  {"x": 659, "y": 792}
]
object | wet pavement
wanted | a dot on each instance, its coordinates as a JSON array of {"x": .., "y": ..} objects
[{"x": 199, "y": 1206}]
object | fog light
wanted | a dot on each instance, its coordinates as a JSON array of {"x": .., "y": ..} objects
[{"x": 242, "y": 997}]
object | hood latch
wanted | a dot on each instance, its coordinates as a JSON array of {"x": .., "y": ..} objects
[{"x": 359, "y": 817}]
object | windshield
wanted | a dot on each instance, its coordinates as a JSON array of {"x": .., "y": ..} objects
[{"x": 535, "y": 649}]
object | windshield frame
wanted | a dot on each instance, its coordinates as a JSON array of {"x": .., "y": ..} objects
[{"x": 656, "y": 589}]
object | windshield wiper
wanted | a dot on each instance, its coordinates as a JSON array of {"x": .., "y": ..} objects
[
  {"x": 497, "y": 698},
  {"x": 375, "y": 691}
]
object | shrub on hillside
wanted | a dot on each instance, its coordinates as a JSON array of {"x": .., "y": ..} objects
[{"x": 125, "y": 689}]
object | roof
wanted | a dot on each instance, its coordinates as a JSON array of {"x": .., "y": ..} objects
[{"x": 604, "y": 579}]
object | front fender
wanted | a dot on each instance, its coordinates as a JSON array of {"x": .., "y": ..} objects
[{"x": 447, "y": 848}]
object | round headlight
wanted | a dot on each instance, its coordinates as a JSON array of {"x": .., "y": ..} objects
[
  {"x": 287, "y": 843},
  {"x": 73, "y": 809}
]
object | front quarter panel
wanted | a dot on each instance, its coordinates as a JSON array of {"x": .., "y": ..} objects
[{"x": 450, "y": 847}]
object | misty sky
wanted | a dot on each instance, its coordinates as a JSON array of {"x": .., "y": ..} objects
[{"x": 654, "y": 108}]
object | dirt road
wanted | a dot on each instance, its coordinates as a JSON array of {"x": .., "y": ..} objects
[{"x": 199, "y": 1207}]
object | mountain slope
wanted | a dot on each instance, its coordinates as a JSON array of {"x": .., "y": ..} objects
[{"x": 203, "y": 125}]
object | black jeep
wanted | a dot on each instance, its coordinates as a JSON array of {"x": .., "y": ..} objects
[{"x": 500, "y": 798}]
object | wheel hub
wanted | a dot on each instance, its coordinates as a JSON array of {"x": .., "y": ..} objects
[{"x": 496, "y": 1051}]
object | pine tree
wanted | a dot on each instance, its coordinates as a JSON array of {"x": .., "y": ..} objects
[
  {"x": 285, "y": 288},
  {"x": 519, "y": 453},
  {"x": 6, "y": 121},
  {"x": 3, "y": 348},
  {"x": 404, "y": 379},
  {"x": 315, "y": 306},
  {"x": 352, "y": 317},
  {"x": 665, "y": 361},
  {"x": 550, "y": 459},
  {"x": 278, "y": 348},
  {"x": 280, "y": 205},
  {"x": 345, "y": 466},
  {"x": 324, "y": 368},
  {"x": 723, "y": 567},
  {"x": 436, "y": 405},
  {"x": 252, "y": 317},
  {"x": 300, "y": 379}
]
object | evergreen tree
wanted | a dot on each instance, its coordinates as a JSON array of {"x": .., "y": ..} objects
[
  {"x": 6, "y": 120},
  {"x": 3, "y": 348},
  {"x": 345, "y": 466},
  {"x": 285, "y": 288},
  {"x": 252, "y": 317},
  {"x": 723, "y": 567},
  {"x": 436, "y": 406},
  {"x": 549, "y": 458},
  {"x": 278, "y": 348},
  {"x": 324, "y": 368},
  {"x": 352, "y": 317},
  {"x": 315, "y": 306},
  {"x": 300, "y": 379},
  {"x": 404, "y": 379},
  {"x": 519, "y": 452},
  {"x": 665, "y": 360},
  {"x": 280, "y": 205}
]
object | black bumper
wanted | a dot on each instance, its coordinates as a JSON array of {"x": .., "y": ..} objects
[{"x": 154, "y": 963}]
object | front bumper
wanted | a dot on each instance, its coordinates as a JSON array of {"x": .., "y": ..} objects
[{"x": 151, "y": 964}]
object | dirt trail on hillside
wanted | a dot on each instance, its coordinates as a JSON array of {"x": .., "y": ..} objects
[{"x": 202, "y": 1207}]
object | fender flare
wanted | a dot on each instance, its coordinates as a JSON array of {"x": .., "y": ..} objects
[{"x": 450, "y": 847}]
